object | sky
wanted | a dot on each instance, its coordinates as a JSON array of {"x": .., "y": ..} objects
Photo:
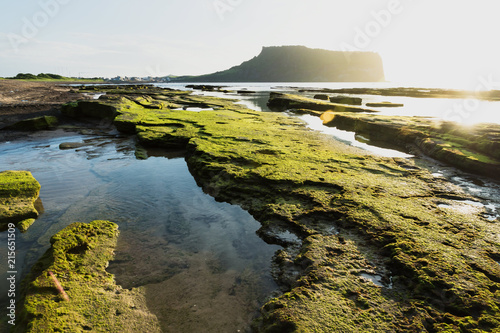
[{"x": 421, "y": 41}]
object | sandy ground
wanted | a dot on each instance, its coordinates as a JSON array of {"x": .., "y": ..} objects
[{"x": 25, "y": 99}]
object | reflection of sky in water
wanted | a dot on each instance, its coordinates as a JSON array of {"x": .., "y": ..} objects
[{"x": 155, "y": 201}]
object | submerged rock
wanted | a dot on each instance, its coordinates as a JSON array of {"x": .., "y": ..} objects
[
  {"x": 18, "y": 192},
  {"x": 82, "y": 296}
]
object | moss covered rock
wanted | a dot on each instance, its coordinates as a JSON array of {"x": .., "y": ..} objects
[
  {"x": 381, "y": 245},
  {"x": 346, "y": 100},
  {"x": 18, "y": 193},
  {"x": 78, "y": 259},
  {"x": 35, "y": 124}
]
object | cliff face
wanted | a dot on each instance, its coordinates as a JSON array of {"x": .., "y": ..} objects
[{"x": 301, "y": 64}]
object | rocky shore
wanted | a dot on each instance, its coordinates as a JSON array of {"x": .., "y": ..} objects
[{"x": 379, "y": 244}]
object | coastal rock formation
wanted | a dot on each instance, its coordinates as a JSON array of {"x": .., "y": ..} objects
[
  {"x": 489, "y": 95},
  {"x": 346, "y": 100},
  {"x": 282, "y": 102},
  {"x": 35, "y": 124},
  {"x": 385, "y": 105},
  {"x": 18, "y": 192},
  {"x": 475, "y": 150},
  {"x": 78, "y": 259},
  {"x": 380, "y": 244},
  {"x": 321, "y": 97},
  {"x": 300, "y": 64}
]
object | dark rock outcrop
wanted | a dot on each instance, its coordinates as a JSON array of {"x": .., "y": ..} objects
[
  {"x": 282, "y": 102},
  {"x": 35, "y": 124},
  {"x": 346, "y": 100}
]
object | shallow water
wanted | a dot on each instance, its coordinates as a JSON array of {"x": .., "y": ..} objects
[
  {"x": 464, "y": 111},
  {"x": 201, "y": 262}
]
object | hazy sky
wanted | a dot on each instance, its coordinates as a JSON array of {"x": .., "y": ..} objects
[{"x": 441, "y": 40}]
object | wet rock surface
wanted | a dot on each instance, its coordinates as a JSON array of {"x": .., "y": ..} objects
[
  {"x": 78, "y": 259},
  {"x": 369, "y": 242},
  {"x": 18, "y": 192},
  {"x": 472, "y": 149},
  {"x": 376, "y": 249}
]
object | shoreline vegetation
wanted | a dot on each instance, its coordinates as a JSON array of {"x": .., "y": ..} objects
[
  {"x": 47, "y": 77},
  {"x": 384, "y": 246}
]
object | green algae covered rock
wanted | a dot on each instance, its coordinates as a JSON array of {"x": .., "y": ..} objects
[
  {"x": 382, "y": 246},
  {"x": 18, "y": 193},
  {"x": 93, "y": 109},
  {"x": 35, "y": 124},
  {"x": 78, "y": 259}
]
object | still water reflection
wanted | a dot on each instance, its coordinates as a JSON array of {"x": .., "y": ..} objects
[{"x": 200, "y": 261}]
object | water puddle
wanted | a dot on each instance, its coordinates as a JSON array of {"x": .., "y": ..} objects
[
  {"x": 374, "y": 278},
  {"x": 194, "y": 109},
  {"x": 468, "y": 207},
  {"x": 201, "y": 263}
]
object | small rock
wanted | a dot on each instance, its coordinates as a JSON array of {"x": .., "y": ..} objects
[
  {"x": 346, "y": 100},
  {"x": 322, "y": 97},
  {"x": 71, "y": 145}
]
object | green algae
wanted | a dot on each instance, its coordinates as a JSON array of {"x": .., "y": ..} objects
[
  {"x": 18, "y": 192},
  {"x": 78, "y": 258},
  {"x": 390, "y": 217}
]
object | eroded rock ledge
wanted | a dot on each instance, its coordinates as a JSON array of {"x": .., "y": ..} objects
[
  {"x": 78, "y": 259},
  {"x": 382, "y": 244},
  {"x": 474, "y": 149}
]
